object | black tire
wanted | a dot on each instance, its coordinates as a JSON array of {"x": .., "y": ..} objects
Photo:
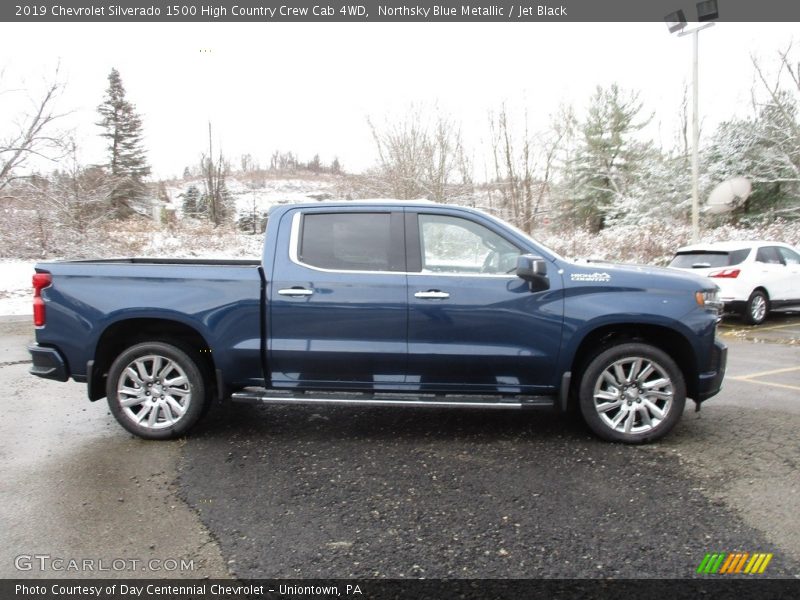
[
  {"x": 646, "y": 409},
  {"x": 757, "y": 308},
  {"x": 164, "y": 387}
]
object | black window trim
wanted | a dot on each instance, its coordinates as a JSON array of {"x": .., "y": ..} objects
[{"x": 397, "y": 254}]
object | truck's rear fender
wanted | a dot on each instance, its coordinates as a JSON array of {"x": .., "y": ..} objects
[
  {"x": 124, "y": 333},
  {"x": 226, "y": 341}
]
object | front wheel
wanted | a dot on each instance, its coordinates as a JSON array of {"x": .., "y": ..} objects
[
  {"x": 156, "y": 390},
  {"x": 632, "y": 393}
]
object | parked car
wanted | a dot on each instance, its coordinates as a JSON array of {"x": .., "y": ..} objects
[
  {"x": 754, "y": 277},
  {"x": 388, "y": 304}
]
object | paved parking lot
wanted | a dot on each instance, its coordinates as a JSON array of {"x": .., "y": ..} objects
[{"x": 300, "y": 492}]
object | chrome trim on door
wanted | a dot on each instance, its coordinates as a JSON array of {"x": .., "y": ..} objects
[
  {"x": 432, "y": 295},
  {"x": 295, "y": 292}
]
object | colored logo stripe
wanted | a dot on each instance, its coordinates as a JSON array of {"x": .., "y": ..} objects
[{"x": 735, "y": 562}]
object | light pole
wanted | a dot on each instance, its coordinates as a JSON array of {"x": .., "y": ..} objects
[{"x": 676, "y": 22}]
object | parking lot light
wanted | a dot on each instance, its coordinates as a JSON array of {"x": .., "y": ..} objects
[{"x": 676, "y": 22}]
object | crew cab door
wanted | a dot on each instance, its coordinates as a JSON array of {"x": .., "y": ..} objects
[
  {"x": 473, "y": 324},
  {"x": 337, "y": 312}
]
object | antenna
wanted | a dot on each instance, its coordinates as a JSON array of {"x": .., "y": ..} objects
[{"x": 728, "y": 195}]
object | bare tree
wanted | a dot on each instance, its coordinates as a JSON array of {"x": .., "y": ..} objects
[
  {"x": 420, "y": 157},
  {"x": 216, "y": 200},
  {"x": 524, "y": 165},
  {"x": 33, "y": 134},
  {"x": 76, "y": 196},
  {"x": 779, "y": 115}
]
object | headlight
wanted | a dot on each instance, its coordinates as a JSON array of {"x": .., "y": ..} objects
[{"x": 709, "y": 299}]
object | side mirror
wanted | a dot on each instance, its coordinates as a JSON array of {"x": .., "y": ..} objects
[{"x": 533, "y": 269}]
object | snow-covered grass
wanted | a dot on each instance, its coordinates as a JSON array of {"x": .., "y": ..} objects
[
  {"x": 29, "y": 235},
  {"x": 656, "y": 243},
  {"x": 16, "y": 290}
]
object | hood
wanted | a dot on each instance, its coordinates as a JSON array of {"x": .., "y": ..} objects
[{"x": 627, "y": 275}]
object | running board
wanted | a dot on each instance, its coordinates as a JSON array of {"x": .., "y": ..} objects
[{"x": 393, "y": 399}]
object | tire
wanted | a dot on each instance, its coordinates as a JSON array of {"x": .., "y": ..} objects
[
  {"x": 757, "y": 308},
  {"x": 156, "y": 390},
  {"x": 632, "y": 393}
]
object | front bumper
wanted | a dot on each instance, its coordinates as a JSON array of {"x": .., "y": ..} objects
[
  {"x": 710, "y": 382},
  {"x": 48, "y": 363}
]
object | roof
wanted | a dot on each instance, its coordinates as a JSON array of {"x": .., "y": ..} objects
[{"x": 730, "y": 246}]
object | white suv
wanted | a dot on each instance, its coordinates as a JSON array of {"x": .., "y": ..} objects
[{"x": 753, "y": 277}]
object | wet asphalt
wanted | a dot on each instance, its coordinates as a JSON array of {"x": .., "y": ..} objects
[{"x": 359, "y": 493}]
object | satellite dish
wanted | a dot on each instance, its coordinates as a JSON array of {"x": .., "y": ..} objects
[{"x": 728, "y": 195}]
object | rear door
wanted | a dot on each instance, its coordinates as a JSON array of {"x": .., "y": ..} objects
[
  {"x": 473, "y": 324},
  {"x": 337, "y": 300}
]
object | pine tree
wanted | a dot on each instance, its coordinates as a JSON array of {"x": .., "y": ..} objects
[
  {"x": 191, "y": 202},
  {"x": 608, "y": 158},
  {"x": 127, "y": 161}
]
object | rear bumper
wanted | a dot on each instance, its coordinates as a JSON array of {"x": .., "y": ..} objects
[
  {"x": 710, "y": 382},
  {"x": 48, "y": 363}
]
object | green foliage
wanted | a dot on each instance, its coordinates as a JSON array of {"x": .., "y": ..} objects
[
  {"x": 191, "y": 201},
  {"x": 127, "y": 162},
  {"x": 764, "y": 150},
  {"x": 608, "y": 158}
]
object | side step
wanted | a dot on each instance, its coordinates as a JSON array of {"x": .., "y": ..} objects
[{"x": 391, "y": 399}]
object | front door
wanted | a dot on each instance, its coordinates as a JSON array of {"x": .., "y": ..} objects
[{"x": 474, "y": 326}]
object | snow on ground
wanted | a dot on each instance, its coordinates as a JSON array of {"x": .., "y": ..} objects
[{"x": 16, "y": 290}]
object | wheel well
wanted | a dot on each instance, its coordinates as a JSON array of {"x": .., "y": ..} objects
[
  {"x": 664, "y": 338},
  {"x": 761, "y": 289},
  {"x": 124, "y": 334}
]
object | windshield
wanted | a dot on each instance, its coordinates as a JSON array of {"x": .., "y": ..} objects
[{"x": 703, "y": 259}]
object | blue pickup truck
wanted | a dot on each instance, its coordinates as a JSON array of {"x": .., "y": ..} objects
[{"x": 382, "y": 303}]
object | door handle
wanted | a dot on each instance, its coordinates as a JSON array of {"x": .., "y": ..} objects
[
  {"x": 432, "y": 295},
  {"x": 295, "y": 291}
]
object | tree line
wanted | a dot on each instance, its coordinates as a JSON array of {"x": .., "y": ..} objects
[
  {"x": 590, "y": 169},
  {"x": 600, "y": 169}
]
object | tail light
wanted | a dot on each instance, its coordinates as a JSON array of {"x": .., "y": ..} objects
[
  {"x": 40, "y": 281},
  {"x": 726, "y": 273}
]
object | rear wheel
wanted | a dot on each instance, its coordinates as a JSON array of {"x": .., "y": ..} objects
[
  {"x": 757, "y": 308},
  {"x": 632, "y": 393},
  {"x": 156, "y": 390}
]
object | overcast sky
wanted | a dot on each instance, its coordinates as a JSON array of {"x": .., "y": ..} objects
[{"x": 309, "y": 87}]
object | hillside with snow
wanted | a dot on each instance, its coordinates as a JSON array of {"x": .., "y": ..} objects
[{"x": 170, "y": 233}]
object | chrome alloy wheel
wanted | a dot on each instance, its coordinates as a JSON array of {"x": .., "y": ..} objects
[
  {"x": 758, "y": 308},
  {"x": 153, "y": 392},
  {"x": 633, "y": 395}
]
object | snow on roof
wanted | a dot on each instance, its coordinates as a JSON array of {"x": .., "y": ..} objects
[{"x": 729, "y": 246}]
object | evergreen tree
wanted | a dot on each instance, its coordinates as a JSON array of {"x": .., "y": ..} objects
[
  {"x": 191, "y": 202},
  {"x": 608, "y": 158},
  {"x": 127, "y": 161}
]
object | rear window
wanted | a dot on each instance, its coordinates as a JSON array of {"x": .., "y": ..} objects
[
  {"x": 346, "y": 241},
  {"x": 704, "y": 259}
]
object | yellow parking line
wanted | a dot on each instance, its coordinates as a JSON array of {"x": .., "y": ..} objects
[
  {"x": 765, "y": 373},
  {"x": 757, "y": 328},
  {"x": 757, "y": 382}
]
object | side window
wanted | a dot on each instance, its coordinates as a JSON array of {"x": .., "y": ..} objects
[
  {"x": 456, "y": 245},
  {"x": 346, "y": 241},
  {"x": 790, "y": 257},
  {"x": 769, "y": 255}
]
